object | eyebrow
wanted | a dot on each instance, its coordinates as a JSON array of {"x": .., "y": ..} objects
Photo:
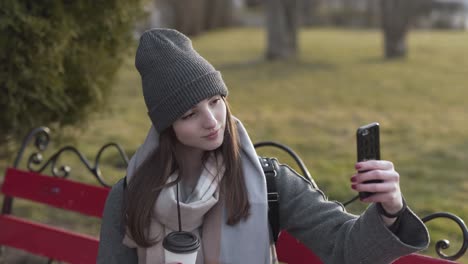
[{"x": 208, "y": 99}]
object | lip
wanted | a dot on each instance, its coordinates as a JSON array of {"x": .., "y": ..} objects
[{"x": 212, "y": 135}]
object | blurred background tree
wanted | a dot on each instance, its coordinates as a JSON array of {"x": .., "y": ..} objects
[
  {"x": 191, "y": 17},
  {"x": 58, "y": 60},
  {"x": 282, "y": 22},
  {"x": 397, "y": 16}
]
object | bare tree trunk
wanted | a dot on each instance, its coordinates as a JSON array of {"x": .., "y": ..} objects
[
  {"x": 395, "y": 24},
  {"x": 396, "y": 18},
  {"x": 282, "y": 27},
  {"x": 219, "y": 13},
  {"x": 189, "y": 16},
  {"x": 372, "y": 13},
  {"x": 193, "y": 17},
  {"x": 307, "y": 11}
]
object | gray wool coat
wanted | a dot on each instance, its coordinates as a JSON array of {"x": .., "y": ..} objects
[{"x": 334, "y": 235}]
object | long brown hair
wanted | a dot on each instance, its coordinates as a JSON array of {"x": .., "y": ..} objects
[{"x": 152, "y": 175}]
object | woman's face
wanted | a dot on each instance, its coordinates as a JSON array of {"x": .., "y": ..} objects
[{"x": 202, "y": 127}]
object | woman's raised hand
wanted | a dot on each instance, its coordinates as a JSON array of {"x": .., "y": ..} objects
[{"x": 386, "y": 191}]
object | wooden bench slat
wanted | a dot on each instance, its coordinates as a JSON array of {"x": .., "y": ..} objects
[
  {"x": 62, "y": 193},
  {"x": 48, "y": 241},
  {"x": 290, "y": 250}
]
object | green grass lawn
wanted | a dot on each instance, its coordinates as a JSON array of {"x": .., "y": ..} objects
[{"x": 314, "y": 105}]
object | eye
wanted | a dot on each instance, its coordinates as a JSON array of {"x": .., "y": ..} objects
[
  {"x": 188, "y": 116},
  {"x": 215, "y": 100}
]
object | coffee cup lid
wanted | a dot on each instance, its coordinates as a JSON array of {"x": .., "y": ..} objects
[{"x": 181, "y": 242}]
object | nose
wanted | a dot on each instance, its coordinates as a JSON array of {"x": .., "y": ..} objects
[{"x": 210, "y": 122}]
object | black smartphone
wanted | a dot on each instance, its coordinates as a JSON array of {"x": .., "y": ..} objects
[{"x": 368, "y": 147}]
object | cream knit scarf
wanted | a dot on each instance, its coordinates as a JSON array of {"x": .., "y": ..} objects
[{"x": 203, "y": 213}]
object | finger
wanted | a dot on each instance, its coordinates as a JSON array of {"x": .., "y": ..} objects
[
  {"x": 384, "y": 187},
  {"x": 381, "y": 198},
  {"x": 374, "y": 165},
  {"x": 383, "y": 175}
]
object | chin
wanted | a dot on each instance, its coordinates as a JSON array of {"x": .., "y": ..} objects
[{"x": 214, "y": 145}]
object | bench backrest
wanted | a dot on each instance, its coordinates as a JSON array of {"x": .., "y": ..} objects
[{"x": 42, "y": 239}]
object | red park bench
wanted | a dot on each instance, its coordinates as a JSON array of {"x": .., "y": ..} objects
[{"x": 58, "y": 191}]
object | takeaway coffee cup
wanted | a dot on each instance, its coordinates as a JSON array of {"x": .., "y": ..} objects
[{"x": 181, "y": 247}]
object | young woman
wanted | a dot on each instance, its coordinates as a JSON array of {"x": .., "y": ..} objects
[{"x": 197, "y": 144}]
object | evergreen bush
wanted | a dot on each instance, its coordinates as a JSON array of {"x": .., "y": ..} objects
[{"x": 58, "y": 59}]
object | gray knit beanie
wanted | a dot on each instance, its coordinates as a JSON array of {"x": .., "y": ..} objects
[{"x": 174, "y": 76}]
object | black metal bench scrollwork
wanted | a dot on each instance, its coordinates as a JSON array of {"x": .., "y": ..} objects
[{"x": 36, "y": 163}]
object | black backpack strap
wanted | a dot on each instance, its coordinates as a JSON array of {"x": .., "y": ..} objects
[{"x": 273, "y": 196}]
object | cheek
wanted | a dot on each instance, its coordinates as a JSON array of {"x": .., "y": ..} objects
[
  {"x": 183, "y": 131},
  {"x": 222, "y": 115}
]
